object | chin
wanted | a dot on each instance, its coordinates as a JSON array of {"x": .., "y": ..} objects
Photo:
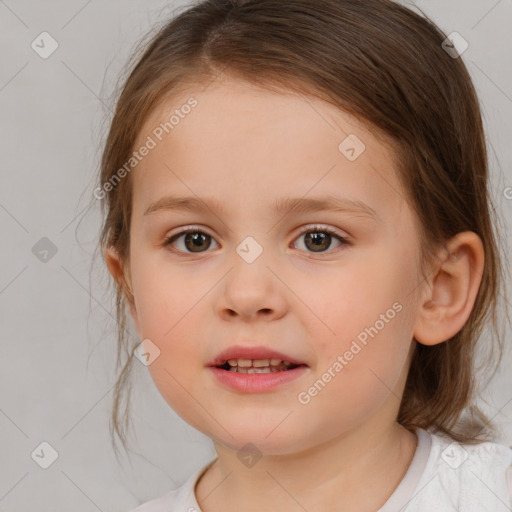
[{"x": 245, "y": 439}]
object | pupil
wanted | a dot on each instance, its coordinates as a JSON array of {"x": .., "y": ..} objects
[
  {"x": 197, "y": 239},
  {"x": 319, "y": 240}
]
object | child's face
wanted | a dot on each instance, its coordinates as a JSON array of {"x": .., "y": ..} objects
[{"x": 246, "y": 148}]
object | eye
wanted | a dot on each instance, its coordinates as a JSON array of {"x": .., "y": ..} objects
[
  {"x": 195, "y": 240},
  {"x": 318, "y": 238}
]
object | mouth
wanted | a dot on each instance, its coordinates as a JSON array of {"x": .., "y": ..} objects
[
  {"x": 257, "y": 376},
  {"x": 257, "y": 365}
]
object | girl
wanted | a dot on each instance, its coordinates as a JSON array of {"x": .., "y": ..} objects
[{"x": 298, "y": 221}]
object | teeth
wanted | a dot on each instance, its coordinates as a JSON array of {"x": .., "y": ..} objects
[
  {"x": 258, "y": 365},
  {"x": 268, "y": 369},
  {"x": 262, "y": 370}
]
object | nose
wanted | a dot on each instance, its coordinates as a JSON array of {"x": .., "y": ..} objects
[{"x": 251, "y": 291}]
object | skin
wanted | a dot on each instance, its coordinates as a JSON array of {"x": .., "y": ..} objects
[{"x": 247, "y": 147}]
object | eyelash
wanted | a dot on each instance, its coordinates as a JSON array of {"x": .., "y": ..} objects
[{"x": 314, "y": 229}]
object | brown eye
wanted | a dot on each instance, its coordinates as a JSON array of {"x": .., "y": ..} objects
[
  {"x": 194, "y": 241},
  {"x": 318, "y": 239}
]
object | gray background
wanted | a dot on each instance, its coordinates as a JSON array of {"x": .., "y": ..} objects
[{"x": 58, "y": 364}]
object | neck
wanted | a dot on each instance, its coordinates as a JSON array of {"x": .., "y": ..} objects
[{"x": 336, "y": 475}]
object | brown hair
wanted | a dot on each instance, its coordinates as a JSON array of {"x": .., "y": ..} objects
[{"x": 384, "y": 64}]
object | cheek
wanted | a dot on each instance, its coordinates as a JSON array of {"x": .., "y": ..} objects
[
  {"x": 178, "y": 371},
  {"x": 363, "y": 366},
  {"x": 169, "y": 315},
  {"x": 368, "y": 324},
  {"x": 164, "y": 298}
]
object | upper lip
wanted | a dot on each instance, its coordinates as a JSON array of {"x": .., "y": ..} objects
[{"x": 255, "y": 352}]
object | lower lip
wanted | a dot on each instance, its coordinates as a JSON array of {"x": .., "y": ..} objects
[{"x": 256, "y": 382}]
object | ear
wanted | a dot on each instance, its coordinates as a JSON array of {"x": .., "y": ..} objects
[
  {"x": 452, "y": 290},
  {"x": 117, "y": 269}
]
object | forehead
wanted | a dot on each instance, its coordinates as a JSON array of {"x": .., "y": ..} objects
[
  {"x": 234, "y": 137},
  {"x": 231, "y": 102}
]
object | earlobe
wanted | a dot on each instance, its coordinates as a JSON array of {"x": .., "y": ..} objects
[{"x": 452, "y": 291}]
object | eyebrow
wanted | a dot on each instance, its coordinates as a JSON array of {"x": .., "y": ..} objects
[{"x": 282, "y": 206}]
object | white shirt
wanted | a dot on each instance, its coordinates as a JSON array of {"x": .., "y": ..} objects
[{"x": 444, "y": 476}]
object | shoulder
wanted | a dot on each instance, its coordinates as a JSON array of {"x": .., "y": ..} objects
[
  {"x": 482, "y": 458},
  {"x": 471, "y": 477},
  {"x": 181, "y": 499},
  {"x": 164, "y": 503}
]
